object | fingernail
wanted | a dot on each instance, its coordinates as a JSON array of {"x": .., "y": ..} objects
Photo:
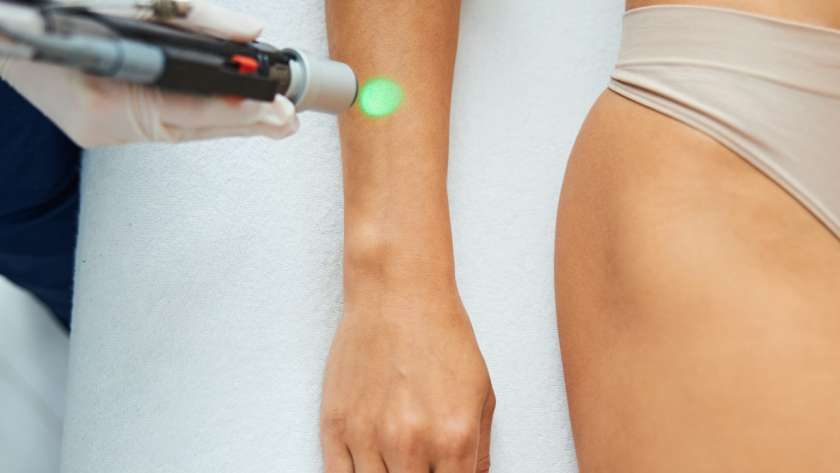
[{"x": 287, "y": 106}]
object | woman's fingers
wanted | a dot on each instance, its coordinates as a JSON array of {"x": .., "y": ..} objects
[
  {"x": 406, "y": 462},
  {"x": 368, "y": 461},
  {"x": 457, "y": 445},
  {"x": 417, "y": 403},
  {"x": 464, "y": 465},
  {"x": 338, "y": 462},
  {"x": 453, "y": 444},
  {"x": 483, "y": 464},
  {"x": 417, "y": 468},
  {"x": 337, "y": 458},
  {"x": 475, "y": 457}
]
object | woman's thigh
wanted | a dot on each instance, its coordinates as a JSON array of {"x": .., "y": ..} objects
[{"x": 698, "y": 305}]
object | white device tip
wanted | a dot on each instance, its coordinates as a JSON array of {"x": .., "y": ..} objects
[{"x": 321, "y": 85}]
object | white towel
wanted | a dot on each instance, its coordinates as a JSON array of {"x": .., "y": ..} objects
[
  {"x": 33, "y": 370},
  {"x": 209, "y": 279}
]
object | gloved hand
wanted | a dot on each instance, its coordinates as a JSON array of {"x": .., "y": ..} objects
[{"x": 96, "y": 111}]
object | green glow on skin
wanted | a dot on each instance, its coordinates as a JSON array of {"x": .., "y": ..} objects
[{"x": 380, "y": 97}]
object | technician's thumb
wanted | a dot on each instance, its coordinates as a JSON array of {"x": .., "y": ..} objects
[
  {"x": 483, "y": 465},
  {"x": 220, "y": 22}
]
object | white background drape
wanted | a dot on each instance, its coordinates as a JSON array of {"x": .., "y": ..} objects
[{"x": 209, "y": 277}]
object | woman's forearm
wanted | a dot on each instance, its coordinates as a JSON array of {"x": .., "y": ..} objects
[
  {"x": 396, "y": 208},
  {"x": 405, "y": 386}
]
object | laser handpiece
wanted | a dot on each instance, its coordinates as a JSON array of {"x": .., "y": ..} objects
[{"x": 163, "y": 56}]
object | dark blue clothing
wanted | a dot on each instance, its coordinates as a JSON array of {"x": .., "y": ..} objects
[{"x": 39, "y": 203}]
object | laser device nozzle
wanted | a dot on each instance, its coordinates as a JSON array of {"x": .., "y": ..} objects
[{"x": 320, "y": 84}]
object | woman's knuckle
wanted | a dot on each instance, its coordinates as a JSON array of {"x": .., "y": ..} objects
[
  {"x": 457, "y": 437},
  {"x": 334, "y": 423},
  {"x": 409, "y": 440},
  {"x": 389, "y": 431},
  {"x": 359, "y": 430},
  {"x": 405, "y": 434}
]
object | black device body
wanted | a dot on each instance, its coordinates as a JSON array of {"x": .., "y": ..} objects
[{"x": 195, "y": 63}]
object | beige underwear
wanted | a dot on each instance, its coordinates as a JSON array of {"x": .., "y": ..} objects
[{"x": 768, "y": 89}]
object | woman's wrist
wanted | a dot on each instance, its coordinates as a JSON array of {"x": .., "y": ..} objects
[{"x": 380, "y": 259}]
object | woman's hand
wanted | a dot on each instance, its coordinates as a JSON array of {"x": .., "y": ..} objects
[{"x": 406, "y": 388}]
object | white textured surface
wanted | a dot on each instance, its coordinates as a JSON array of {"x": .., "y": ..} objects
[
  {"x": 33, "y": 367},
  {"x": 209, "y": 278}
]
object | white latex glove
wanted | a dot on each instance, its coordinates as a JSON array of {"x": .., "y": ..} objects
[{"x": 96, "y": 111}]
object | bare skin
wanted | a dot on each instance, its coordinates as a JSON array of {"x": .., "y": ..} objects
[
  {"x": 406, "y": 389},
  {"x": 697, "y": 301}
]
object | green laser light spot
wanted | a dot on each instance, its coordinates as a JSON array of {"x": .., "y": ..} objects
[{"x": 380, "y": 97}]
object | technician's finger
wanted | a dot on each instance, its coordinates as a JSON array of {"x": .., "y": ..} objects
[
  {"x": 195, "y": 112},
  {"x": 337, "y": 457},
  {"x": 221, "y": 22},
  {"x": 177, "y": 135},
  {"x": 20, "y": 19},
  {"x": 483, "y": 465}
]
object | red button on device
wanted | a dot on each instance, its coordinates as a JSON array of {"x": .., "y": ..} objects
[{"x": 246, "y": 64}]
